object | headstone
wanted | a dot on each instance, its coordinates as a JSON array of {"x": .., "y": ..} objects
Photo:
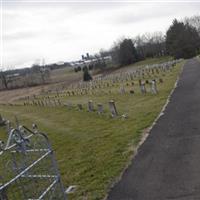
[
  {"x": 2, "y": 121},
  {"x": 69, "y": 105},
  {"x": 55, "y": 103},
  {"x": 113, "y": 108},
  {"x": 122, "y": 90},
  {"x": 100, "y": 108},
  {"x": 154, "y": 87},
  {"x": 142, "y": 87},
  {"x": 80, "y": 107},
  {"x": 42, "y": 103},
  {"x": 59, "y": 102},
  {"x": 90, "y": 106}
]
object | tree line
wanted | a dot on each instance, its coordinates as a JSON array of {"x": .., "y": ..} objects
[{"x": 181, "y": 40}]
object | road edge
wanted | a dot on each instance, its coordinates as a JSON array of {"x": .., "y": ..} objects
[{"x": 146, "y": 132}]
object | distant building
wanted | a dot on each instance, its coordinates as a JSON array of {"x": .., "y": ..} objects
[{"x": 91, "y": 60}]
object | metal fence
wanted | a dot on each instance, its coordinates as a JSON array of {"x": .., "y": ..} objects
[{"x": 28, "y": 170}]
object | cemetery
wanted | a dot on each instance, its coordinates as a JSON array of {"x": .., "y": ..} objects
[{"x": 94, "y": 127}]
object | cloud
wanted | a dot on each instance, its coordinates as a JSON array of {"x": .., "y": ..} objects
[{"x": 64, "y": 31}]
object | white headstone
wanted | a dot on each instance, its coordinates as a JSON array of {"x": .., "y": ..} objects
[{"x": 90, "y": 106}]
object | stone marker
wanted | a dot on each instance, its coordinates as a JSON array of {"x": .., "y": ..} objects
[
  {"x": 59, "y": 102},
  {"x": 122, "y": 90},
  {"x": 90, "y": 106},
  {"x": 69, "y": 105},
  {"x": 113, "y": 109},
  {"x": 142, "y": 87},
  {"x": 2, "y": 121},
  {"x": 154, "y": 87},
  {"x": 80, "y": 106},
  {"x": 100, "y": 108},
  {"x": 161, "y": 80}
]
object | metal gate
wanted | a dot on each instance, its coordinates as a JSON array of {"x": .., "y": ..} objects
[{"x": 28, "y": 170}]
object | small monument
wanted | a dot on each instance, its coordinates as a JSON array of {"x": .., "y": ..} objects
[
  {"x": 90, "y": 106},
  {"x": 154, "y": 87},
  {"x": 100, "y": 108},
  {"x": 80, "y": 107},
  {"x": 113, "y": 108}
]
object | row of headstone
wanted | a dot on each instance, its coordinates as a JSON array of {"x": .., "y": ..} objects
[
  {"x": 100, "y": 108},
  {"x": 83, "y": 88},
  {"x": 114, "y": 80},
  {"x": 43, "y": 102},
  {"x": 55, "y": 101},
  {"x": 110, "y": 80},
  {"x": 153, "y": 69}
]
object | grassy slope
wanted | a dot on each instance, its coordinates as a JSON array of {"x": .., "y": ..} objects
[
  {"x": 148, "y": 61},
  {"x": 92, "y": 150}
]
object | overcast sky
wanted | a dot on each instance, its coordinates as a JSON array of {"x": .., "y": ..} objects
[{"x": 64, "y": 31}]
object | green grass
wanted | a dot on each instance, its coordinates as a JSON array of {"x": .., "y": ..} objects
[
  {"x": 92, "y": 150},
  {"x": 156, "y": 60},
  {"x": 148, "y": 61}
]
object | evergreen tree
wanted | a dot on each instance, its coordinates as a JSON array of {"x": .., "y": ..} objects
[
  {"x": 86, "y": 74},
  {"x": 127, "y": 52},
  {"x": 182, "y": 40}
]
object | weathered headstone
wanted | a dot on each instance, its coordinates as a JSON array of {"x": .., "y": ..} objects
[
  {"x": 142, "y": 87},
  {"x": 161, "y": 80},
  {"x": 100, "y": 108},
  {"x": 154, "y": 87},
  {"x": 2, "y": 121},
  {"x": 122, "y": 90},
  {"x": 113, "y": 108},
  {"x": 80, "y": 106},
  {"x": 90, "y": 106},
  {"x": 69, "y": 105},
  {"x": 59, "y": 102}
]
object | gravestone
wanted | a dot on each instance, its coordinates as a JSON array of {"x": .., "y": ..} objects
[
  {"x": 80, "y": 106},
  {"x": 113, "y": 108},
  {"x": 2, "y": 121},
  {"x": 59, "y": 102},
  {"x": 69, "y": 105},
  {"x": 154, "y": 87},
  {"x": 90, "y": 106},
  {"x": 160, "y": 80},
  {"x": 142, "y": 87},
  {"x": 55, "y": 103},
  {"x": 122, "y": 90},
  {"x": 100, "y": 108}
]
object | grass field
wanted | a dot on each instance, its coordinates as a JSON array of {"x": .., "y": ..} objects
[{"x": 92, "y": 150}]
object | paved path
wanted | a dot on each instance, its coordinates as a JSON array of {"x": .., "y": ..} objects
[{"x": 167, "y": 166}]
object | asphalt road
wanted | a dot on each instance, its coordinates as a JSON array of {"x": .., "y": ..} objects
[{"x": 167, "y": 166}]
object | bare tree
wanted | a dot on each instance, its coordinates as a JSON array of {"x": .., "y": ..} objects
[
  {"x": 150, "y": 44},
  {"x": 4, "y": 79},
  {"x": 194, "y": 21}
]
